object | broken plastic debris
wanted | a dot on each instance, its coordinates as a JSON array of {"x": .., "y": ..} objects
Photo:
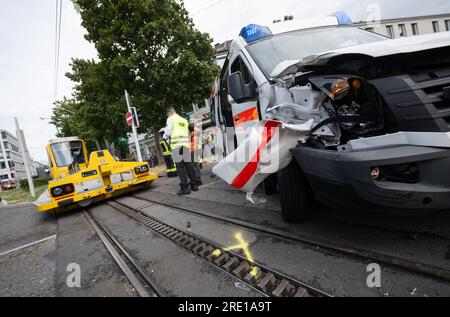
[
  {"x": 241, "y": 286},
  {"x": 249, "y": 197}
]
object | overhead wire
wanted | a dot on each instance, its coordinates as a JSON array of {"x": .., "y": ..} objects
[{"x": 207, "y": 7}]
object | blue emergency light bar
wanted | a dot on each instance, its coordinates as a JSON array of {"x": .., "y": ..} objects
[
  {"x": 254, "y": 32},
  {"x": 343, "y": 18}
]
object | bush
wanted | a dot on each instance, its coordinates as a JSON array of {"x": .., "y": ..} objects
[
  {"x": 42, "y": 181},
  {"x": 23, "y": 183}
]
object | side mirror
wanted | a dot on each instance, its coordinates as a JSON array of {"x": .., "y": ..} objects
[{"x": 240, "y": 91}]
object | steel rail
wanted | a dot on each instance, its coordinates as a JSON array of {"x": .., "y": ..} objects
[
  {"x": 412, "y": 266},
  {"x": 259, "y": 277},
  {"x": 147, "y": 289}
]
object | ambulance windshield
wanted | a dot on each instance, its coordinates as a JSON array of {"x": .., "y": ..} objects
[{"x": 296, "y": 45}]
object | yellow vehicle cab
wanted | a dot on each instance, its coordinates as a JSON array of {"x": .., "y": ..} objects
[{"x": 78, "y": 181}]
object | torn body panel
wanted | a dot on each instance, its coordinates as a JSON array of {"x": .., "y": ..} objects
[{"x": 264, "y": 152}]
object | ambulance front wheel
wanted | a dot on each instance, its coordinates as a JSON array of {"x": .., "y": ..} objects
[{"x": 296, "y": 196}]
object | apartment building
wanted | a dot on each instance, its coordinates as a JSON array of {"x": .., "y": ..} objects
[
  {"x": 402, "y": 27},
  {"x": 11, "y": 163}
]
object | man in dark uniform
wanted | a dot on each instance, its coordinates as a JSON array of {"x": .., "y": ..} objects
[{"x": 167, "y": 155}]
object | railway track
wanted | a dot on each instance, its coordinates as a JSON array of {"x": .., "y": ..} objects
[
  {"x": 137, "y": 276},
  {"x": 266, "y": 281},
  {"x": 405, "y": 264}
]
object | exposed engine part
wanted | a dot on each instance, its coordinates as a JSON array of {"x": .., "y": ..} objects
[
  {"x": 352, "y": 104},
  {"x": 343, "y": 108},
  {"x": 300, "y": 104},
  {"x": 307, "y": 97},
  {"x": 351, "y": 110}
]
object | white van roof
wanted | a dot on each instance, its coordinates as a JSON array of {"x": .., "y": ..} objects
[
  {"x": 255, "y": 32},
  {"x": 293, "y": 25}
]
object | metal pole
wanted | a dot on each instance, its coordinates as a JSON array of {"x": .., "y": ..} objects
[
  {"x": 133, "y": 127},
  {"x": 25, "y": 157}
]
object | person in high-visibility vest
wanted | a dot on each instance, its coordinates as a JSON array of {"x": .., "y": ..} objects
[
  {"x": 195, "y": 152},
  {"x": 177, "y": 130},
  {"x": 167, "y": 155}
]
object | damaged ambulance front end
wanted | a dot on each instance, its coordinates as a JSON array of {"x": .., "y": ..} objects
[
  {"x": 380, "y": 138},
  {"x": 385, "y": 144},
  {"x": 393, "y": 112}
]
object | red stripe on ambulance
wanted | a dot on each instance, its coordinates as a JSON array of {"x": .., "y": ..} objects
[{"x": 249, "y": 170}]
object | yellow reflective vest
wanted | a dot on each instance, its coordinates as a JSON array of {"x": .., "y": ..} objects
[{"x": 180, "y": 132}]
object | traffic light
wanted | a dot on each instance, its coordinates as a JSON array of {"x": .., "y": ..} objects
[{"x": 137, "y": 116}]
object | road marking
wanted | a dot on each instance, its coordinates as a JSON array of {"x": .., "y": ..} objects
[{"x": 27, "y": 245}]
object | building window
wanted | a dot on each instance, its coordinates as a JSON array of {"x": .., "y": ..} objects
[
  {"x": 402, "y": 30},
  {"x": 390, "y": 31},
  {"x": 436, "y": 26},
  {"x": 5, "y": 145},
  {"x": 415, "y": 28},
  {"x": 3, "y": 135},
  {"x": 447, "y": 25},
  {"x": 370, "y": 29}
]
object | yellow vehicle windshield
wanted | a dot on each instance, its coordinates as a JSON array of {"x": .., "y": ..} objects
[{"x": 67, "y": 153}]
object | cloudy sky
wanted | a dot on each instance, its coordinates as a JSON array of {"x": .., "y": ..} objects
[{"x": 27, "y": 37}]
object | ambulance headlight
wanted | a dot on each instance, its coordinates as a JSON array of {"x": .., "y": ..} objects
[{"x": 337, "y": 88}]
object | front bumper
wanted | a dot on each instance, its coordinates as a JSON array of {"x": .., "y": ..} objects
[
  {"x": 344, "y": 179},
  {"x": 47, "y": 204}
]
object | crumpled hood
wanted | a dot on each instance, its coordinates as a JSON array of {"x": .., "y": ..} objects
[{"x": 372, "y": 50}]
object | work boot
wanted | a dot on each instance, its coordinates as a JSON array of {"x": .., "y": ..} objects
[
  {"x": 194, "y": 188},
  {"x": 184, "y": 192}
]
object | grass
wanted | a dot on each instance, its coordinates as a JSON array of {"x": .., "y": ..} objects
[{"x": 18, "y": 195}]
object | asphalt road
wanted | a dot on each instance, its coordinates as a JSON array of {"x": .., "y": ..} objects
[{"x": 37, "y": 250}]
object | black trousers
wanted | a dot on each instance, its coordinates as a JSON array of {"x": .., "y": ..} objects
[
  {"x": 182, "y": 157},
  {"x": 196, "y": 167}
]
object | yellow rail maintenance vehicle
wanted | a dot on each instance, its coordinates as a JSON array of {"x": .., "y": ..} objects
[{"x": 78, "y": 182}]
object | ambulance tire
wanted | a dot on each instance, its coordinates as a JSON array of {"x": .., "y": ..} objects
[{"x": 296, "y": 197}]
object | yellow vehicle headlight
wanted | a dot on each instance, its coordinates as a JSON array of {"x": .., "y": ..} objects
[
  {"x": 62, "y": 190},
  {"x": 141, "y": 169}
]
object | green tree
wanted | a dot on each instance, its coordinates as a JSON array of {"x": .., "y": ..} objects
[
  {"x": 155, "y": 50},
  {"x": 148, "y": 47},
  {"x": 96, "y": 111}
]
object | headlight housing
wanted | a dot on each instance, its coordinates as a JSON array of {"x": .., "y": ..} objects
[
  {"x": 139, "y": 170},
  {"x": 337, "y": 88},
  {"x": 62, "y": 190}
]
